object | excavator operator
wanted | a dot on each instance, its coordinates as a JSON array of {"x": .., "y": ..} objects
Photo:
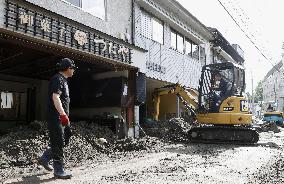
[{"x": 219, "y": 90}]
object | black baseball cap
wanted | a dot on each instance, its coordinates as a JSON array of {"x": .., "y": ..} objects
[{"x": 66, "y": 63}]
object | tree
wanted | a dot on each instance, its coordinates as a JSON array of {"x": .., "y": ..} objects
[{"x": 258, "y": 95}]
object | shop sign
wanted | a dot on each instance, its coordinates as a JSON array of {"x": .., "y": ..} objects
[
  {"x": 39, "y": 25},
  {"x": 155, "y": 67}
]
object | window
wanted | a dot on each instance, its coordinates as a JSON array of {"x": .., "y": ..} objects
[
  {"x": 75, "y": 2},
  {"x": 95, "y": 7},
  {"x": 202, "y": 54},
  {"x": 188, "y": 48},
  {"x": 146, "y": 27},
  {"x": 158, "y": 30},
  {"x": 173, "y": 40},
  {"x": 195, "y": 51},
  {"x": 152, "y": 28},
  {"x": 177, "y": 41},
  {"x": 180, "y": 43}
]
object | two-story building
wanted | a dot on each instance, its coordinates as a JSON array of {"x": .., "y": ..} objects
[
  {"x": 121, "y": 48},
  {"x": 178, "y": 46},
  {"x": 97, "y": 34},
  {"x": 273, "y": 88}
]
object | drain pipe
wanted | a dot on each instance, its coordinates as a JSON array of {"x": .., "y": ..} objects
[{"x": 132, "y": 23}]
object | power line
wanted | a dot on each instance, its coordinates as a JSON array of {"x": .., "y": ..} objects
[
  {"x": 254, "y": 44},
  {"x": 245, "y": 24},
  {"x": 246, "y": 21},
  {"x": 236, "y": 7}
]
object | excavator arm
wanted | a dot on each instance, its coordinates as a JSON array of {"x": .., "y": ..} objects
[{"x": 189, "y": 98}]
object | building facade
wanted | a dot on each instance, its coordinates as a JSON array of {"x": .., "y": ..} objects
[
  {"x": 124, "y": 50},
  {"x": 176, "y": 41},
  {"x": 223, "y": 51},
  {"x": 35, "y": 34},
  {"x": 273, "y": 87},
  {"x": 178, "y": 46}
]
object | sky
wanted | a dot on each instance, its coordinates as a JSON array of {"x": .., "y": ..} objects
[{"x": 261, "y": 22}]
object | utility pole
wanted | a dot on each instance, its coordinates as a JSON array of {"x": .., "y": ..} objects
[
  {"x": 252, "y": 95},
  {"x": 275, "y": 98}
]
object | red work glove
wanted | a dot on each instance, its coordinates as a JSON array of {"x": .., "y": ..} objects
[{"x": 64, "y": 119}]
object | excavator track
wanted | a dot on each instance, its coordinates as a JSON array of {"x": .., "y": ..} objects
[{"x": 223, "y": 134}]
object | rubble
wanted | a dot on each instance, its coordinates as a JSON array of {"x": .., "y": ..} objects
[
  {"x": 94, "y": 146},
  {"x": 174, "y": 130},
  {"x": 20, "y": 148},
  {"x": 269, "y": 126},
  {"x": 131, "y": 144}
]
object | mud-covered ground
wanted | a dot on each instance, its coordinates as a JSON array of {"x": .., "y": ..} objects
[{"x": 163, "y": 156}]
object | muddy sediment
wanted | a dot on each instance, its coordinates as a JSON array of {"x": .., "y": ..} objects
[
  {"x": 20, "y": 149},
  {"x": 173, "y": 130},
  {"x": 269, "y": 126},
  {"x": 168, "y": 140},
  {"x": 271, "y": 174}
]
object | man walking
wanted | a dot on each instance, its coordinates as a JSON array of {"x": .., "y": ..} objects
[{"x": 57, "y": 118}]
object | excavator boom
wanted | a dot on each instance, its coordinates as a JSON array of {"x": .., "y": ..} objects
[{"x": 189, "y": 98}]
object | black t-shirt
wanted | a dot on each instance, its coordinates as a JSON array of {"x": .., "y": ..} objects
[
  {"x": 58, "y": 84},
  {"x": 226, "y": 88}
]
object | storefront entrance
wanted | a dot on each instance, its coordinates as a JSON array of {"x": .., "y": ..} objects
[{"x": 97, "y": 88}]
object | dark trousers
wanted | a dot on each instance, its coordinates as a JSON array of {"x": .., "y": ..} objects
[{"x": 59, "y": 137}]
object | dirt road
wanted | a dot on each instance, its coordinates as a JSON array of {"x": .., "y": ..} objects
[{"x": 184, "y": 163}]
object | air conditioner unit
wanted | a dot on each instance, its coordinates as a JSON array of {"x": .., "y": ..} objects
[
  {"x": 121, "y": 36},
  {"x": 124, "y": 36}
]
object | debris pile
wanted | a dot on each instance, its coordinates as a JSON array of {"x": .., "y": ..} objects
[
  {"x": 20, "y": 148},
  {"x": 86, "y": 136},
  {"x": 131, "y": 144},
  {"x": 269, "y": 126},
  {"x": 174, "y": 129},
  {"x": 93, "y": 134}
]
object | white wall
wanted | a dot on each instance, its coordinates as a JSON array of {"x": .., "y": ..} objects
[
  {"x": 273, "y": 88},
  {"x": 118, "y": 15},
  {"x": 139, "y": 60},
  {"x": 179, "y": 67}
]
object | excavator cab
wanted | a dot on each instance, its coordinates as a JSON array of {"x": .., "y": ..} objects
[
  {"x": 223, "y": 112},
  {"x": 221, "y": 100},
  {"x": 217, "y": 83}
]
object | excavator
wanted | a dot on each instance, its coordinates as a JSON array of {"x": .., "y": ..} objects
[
  {"x": 218, "y": 106},
  {"x": 272, "y": 115}
]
